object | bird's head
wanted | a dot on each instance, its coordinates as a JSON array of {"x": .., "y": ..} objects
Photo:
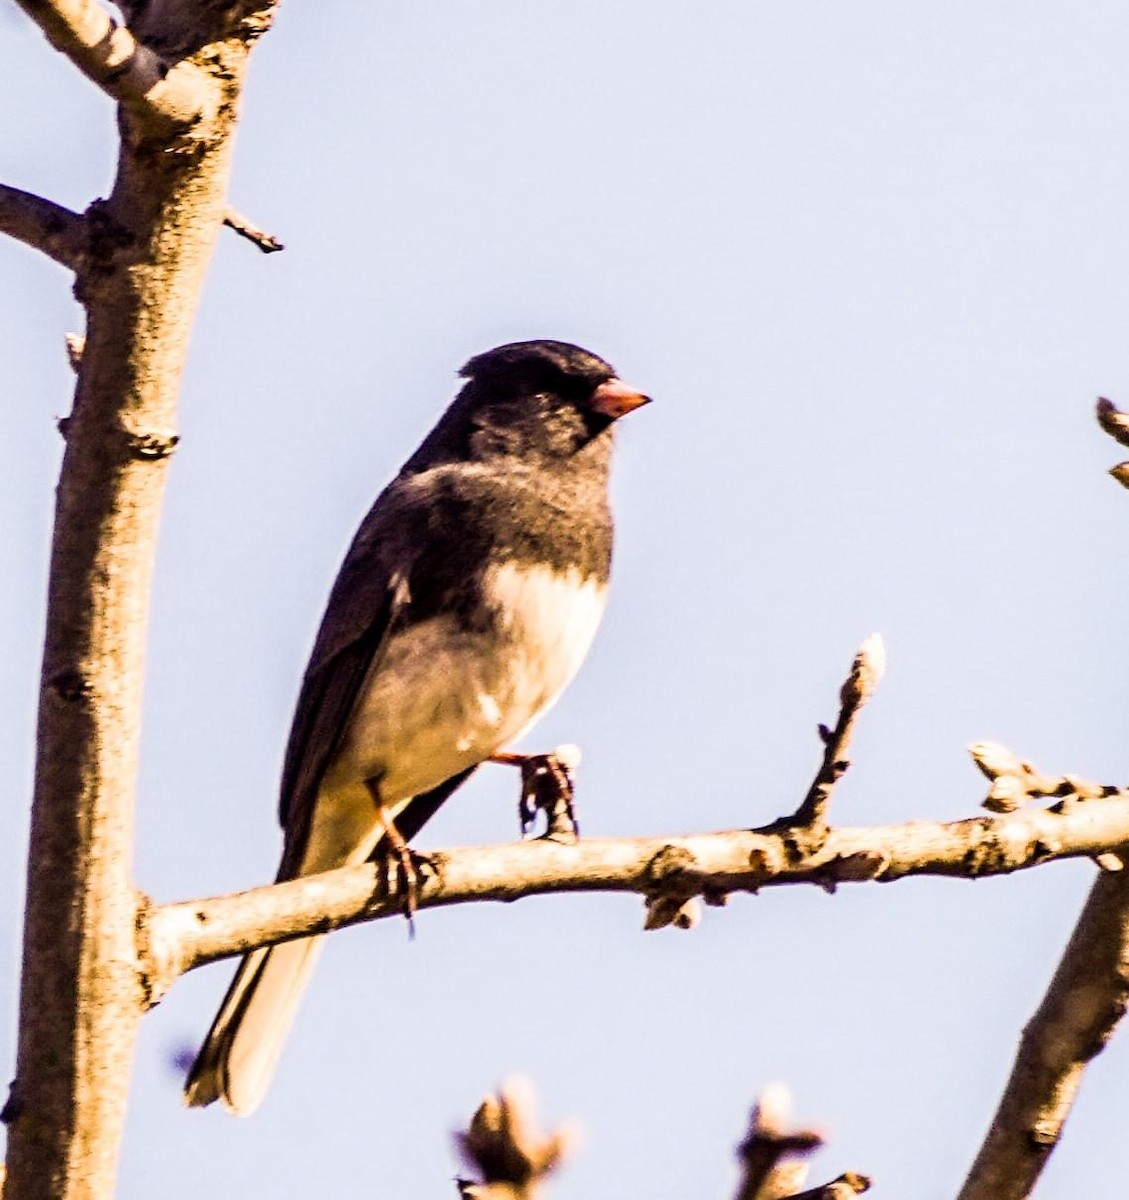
[{"x": 542, "y": 399}]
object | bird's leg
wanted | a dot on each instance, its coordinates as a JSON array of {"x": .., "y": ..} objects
[
  {"x": 404, "y": 865},
  {"x": 546, "y": 786}
]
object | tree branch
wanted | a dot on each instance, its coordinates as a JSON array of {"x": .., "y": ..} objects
[
  {"x": 266, "y": 242},
  {"x": 846, "y": 1187},
  {"x": 866, "y": 673},
  {"x": 42, "y": 225},
  {"x": 148, "y": 245},
  {"x": 179, "y": 937},
  {"x": 1084, "y": 1001},
  {"x": 108, "y": 54},
  {"x": 772, "y": 1153},
  {"x": 1082, "y": 1006},
  {"x": 505, "y": 1148}
]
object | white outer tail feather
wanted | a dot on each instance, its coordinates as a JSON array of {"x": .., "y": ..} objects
[{"x": 238, "y": 1058}]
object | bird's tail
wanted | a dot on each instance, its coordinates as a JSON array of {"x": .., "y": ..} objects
[{"x": 238, "y": 1057}]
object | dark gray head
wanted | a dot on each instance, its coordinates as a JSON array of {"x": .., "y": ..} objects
[{"x": 538, "y": 401}]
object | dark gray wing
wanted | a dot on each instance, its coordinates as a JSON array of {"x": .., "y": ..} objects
[
  {"x": 370, "y": 598},
  {"x": 420, "y": 551}
]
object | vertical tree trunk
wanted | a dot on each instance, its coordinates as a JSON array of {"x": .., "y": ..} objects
[{"x": 82, "y": 993}]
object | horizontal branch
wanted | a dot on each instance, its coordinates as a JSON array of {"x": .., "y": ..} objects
[
  {"x": 108, "y": 54},
  {"x": 179, "y": 937},
  {"x": 42, "y": 225}
]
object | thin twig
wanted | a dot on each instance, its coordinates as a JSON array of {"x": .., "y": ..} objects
[
  {"x": 769, "y": 1143},
  {"x": 504, "y": 1147},
  {"x": 266, "y": 242},
  {"x": 42, "y": 225},
  {"x": 866, "y": 673},
  {"x": 1082, "y": 1006},
  {"x": 847, "y": 1186},
  {"x": 1015, "y": 781},
  {"x": 108, "y": 54}
]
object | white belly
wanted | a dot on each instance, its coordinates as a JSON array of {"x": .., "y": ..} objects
[{"x": 443, "y": 699}]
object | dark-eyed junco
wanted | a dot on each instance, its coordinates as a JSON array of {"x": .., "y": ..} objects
[{"x": 465, "y": 604}]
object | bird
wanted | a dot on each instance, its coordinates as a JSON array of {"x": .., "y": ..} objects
[{"x": 465, "y": 604}]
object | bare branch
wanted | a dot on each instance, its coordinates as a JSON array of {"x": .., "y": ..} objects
[
  {"x": 504, "y": 1147},
  {"x": 1085, "y": 1000},
  {"x": 1016, "y": 781},
  {"x": 186, "y": 935},
  {"x": 42, "y": 225},
  {"x": 81, "y": 1000},
  {"x": 766, "y": 1173},
  {"x": 847, "y": 1186},
  {"x": 772, "y": 1156},
  {"x": 866, "y": 673},
  {"x": 266, "y": 242},
  {"x": 108, "y": 54},
  {"x": 1083, "y": 1004}
]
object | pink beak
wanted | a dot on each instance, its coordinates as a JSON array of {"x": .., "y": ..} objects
[{"x": 615, "y": 399}]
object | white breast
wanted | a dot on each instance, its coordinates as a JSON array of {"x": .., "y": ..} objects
[
  {"x": 548, "y": 619},
  {"x": 443, "y": 698}
]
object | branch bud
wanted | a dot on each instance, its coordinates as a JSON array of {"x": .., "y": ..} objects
[
  {"x": 866, "y": 671},
  {"x": 1113, "y": 420}
]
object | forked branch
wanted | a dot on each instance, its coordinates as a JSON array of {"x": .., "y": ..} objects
[
  {"x": 1086, "y": 998},
  {"x": 108, "y": 54}
]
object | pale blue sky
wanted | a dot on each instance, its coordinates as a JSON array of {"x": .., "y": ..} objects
[{"x": 871, "y": 261}]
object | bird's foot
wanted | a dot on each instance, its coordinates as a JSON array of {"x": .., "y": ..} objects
[
  {"x": 403, "y": 871},
  {"x": 547, "y": 786}
]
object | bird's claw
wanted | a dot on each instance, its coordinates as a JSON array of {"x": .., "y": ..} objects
[
  {"x": 404, "y": 869},
  {"x": 547, "y": 786}
]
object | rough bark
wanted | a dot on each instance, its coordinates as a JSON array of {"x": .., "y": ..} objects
[{"x": 139, "y": 273}]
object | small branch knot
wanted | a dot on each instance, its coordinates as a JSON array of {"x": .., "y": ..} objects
[
  {"x": 152, "y": 447},
  {"x": 13, "y": 1106},
  {"x": 70, "y": 685},
  {"x": 673, "y": 883}
]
